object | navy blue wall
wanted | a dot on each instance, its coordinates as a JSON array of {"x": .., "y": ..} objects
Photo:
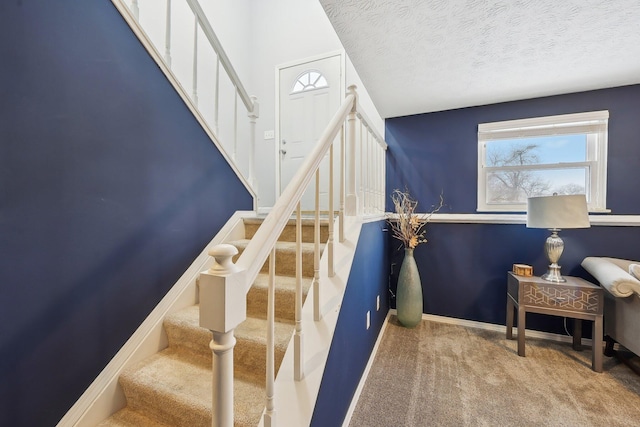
[
  {"x": 463, "y": 266},
  {"x": 108, "y": 190},
  {"x": 352, "y": 342}
]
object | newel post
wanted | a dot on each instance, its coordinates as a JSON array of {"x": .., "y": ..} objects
[
  {"x": 223, "y": 306},
  {"x": 351, "y": 202}
]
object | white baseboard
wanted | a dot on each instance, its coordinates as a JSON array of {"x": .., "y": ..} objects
[{"x": 498, "y": 328}]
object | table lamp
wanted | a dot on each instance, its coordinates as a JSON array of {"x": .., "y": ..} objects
[{"x": 555, "y": 213}]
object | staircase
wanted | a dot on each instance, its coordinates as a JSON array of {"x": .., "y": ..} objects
[{"x": 173, "y": 387}]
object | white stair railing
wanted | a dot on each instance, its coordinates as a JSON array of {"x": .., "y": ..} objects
[
  {"x": 206, "y": 80},
  {"x": 223, "y": 288}
]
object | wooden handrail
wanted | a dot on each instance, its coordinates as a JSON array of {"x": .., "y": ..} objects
[{"x": 266, "y": 236}]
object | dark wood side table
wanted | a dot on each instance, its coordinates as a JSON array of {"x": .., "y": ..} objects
[{"x": 576, "y": 298}]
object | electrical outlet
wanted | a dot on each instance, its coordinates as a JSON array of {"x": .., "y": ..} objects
[
  {"x": 269, "y": 134},
  {"x": 368, "y": 319},
  {"x": 378, "y": 303}
]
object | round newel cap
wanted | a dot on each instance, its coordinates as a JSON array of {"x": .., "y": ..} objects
[{"x": 223, "y": 255}]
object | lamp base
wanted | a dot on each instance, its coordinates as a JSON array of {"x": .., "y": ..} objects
[
  {"x": 553, "y": 274},
  {"x": 553, "y": 248}
]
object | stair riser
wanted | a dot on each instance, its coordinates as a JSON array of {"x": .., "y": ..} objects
[
  {"x": 286, "y": 262},
  {"x": 285, "y": 309},
  {"x": 289, "y": 233},
  {"x": 249, "y": 357},
  {"x": 250, "y": 360},
  {"x": 163, "y": 408},
  {"x": 194, "y": 340}
]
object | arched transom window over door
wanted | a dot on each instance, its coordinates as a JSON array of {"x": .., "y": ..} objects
[{"x": 309, "y": 80}]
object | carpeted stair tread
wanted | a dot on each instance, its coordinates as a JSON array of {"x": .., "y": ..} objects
[
  {"x": 285, "y": 297},
  {"x": 250, "y": 355},
  {"x": 282, "y": 246},
  {"x": 184, "y": 333},
  {"x": 175, "y": 388},
  {"x": 285, "y": 257},
  {"x": 170, "y": 386},
  {"x": 306, "y": 221},
  {"x": 253, "y": 329},
  {"x": 286, "y": 283},
  {"x": 289, "y": 232}
]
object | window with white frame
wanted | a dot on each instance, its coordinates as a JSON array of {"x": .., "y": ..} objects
[{"x": 542, "y": 156}]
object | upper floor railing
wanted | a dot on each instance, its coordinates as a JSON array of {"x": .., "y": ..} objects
[
  {"x": 179, "y": 36},
  {"x": 224, "y": 288}
]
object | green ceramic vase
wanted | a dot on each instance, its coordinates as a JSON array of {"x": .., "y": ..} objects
[{"x": 409, "y": 292}]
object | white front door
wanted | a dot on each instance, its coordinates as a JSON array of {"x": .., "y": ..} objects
[{"x": 309, "y": 96}]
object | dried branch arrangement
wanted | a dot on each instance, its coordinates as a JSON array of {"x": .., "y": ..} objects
[{"x": 408, "y": 226}]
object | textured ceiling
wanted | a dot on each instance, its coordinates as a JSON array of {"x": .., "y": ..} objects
[{"x": 417, "y": 56}]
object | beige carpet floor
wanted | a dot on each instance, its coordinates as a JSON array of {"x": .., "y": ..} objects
[{"x": 444, "y": 375}]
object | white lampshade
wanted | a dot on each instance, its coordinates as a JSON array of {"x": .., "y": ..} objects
[{"x": 558, "y": 212}]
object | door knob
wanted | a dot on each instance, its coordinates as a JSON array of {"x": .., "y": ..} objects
[{"x": 283, "y": 152}]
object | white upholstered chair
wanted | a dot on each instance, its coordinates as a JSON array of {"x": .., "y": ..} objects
[{"x": 622, "y": 299}]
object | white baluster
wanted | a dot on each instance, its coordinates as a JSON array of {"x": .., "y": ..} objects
[
  {"x": 373, "y": 181},
  {"x": 194, "y": 84},
  {"x": 342, "y": 187},
  {"x": 253, "y": 116},
  {"x": 270, "y": 412},
  {"x": 365, "y": 172},
  {"x": 222, "y": 308},
  {"x": 135, "y": 9},
  {"x": 376, "y": 175},
  {"x": 370, "y": 167},
  {"x": 235, "y": 126},
  {"x": 167, "y": 36},
  {"x": 370, "y": 170},
  {"x": 298, "y": 338},
  {"x": 382, "y": 166},
  {"x": 316, "y": 254},
  {"x": 330, "y": 260},
  {"x": 378, "y": 171},
  {"x": 216, "y": 99},
  {"x": 351, "y": 202},
  {"x": 364, "y": 159},
  {"x": 361, "y": 169},
  {"x": 383, "y": 188}
]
